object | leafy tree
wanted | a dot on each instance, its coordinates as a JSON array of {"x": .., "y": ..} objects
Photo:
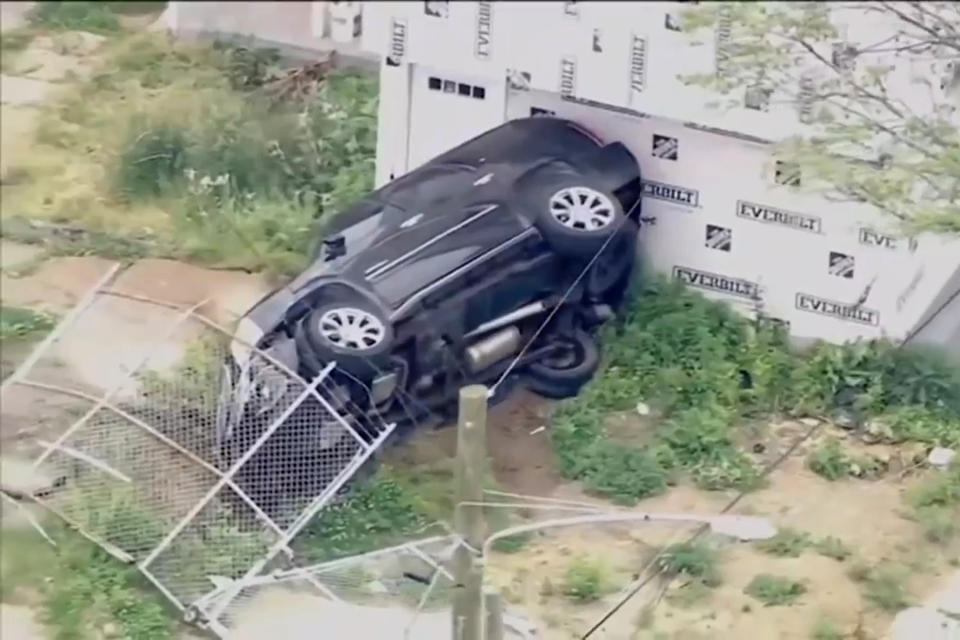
[{"x": 878, "y": 100}]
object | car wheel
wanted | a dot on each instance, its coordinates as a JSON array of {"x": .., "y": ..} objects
[
  {"x": 352, "y": 333},
  {"x": 577, "y": 219},
  {"x": 563, "y": 374},
  {"x": 612, "y": 267}
]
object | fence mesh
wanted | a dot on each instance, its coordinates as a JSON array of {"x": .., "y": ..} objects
[{"x": 132, "y": 438}]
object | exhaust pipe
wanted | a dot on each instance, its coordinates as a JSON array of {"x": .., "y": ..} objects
[
  {"x": 525, "y": 311},
  {"x": 493, "y": 348}
]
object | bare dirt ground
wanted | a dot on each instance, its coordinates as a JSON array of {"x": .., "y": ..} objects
[{"x": 867, "y": 515}]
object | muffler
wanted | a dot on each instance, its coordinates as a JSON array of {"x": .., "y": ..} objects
[{"x": 493, "y": 348}]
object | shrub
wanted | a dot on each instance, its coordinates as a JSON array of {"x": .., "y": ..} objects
[
  {"x": 774, "y": 590},
  {"x": 96, "y": 17},
  {"x": 787, "y": 543},
  {"x": 832, "y": 547},
  {"x": 829, "y": 460},
  {"x": 694, "y": 559},
  {"x": 376, "y": 514},
  {"x": 585, "y": 580},
  {"x": 885, "y": 588},
  {"x": 17, "y": 322}
]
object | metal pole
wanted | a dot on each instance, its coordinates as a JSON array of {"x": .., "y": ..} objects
[
  {"x": 493, "y": 606},
  {"x": 468, "y": 520}
]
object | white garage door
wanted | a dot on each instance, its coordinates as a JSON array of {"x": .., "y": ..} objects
[{"x": 448, "y": 109}]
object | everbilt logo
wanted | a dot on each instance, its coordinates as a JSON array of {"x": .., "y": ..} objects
[
  {"x": 848, "y": 312},
  {"x": 398, "y": 42},
  {"x": 484, "y": 22},
  {"x": 724, "y": 29},
  {"x": 671, "y": 193},
  {"x": 872, "y": 238},
  {"x": 717, "y": 282},
  {"x": 568, "y": 77},
  {"x": 638, "y": 64},
  {"x": 772, "y": 215}
]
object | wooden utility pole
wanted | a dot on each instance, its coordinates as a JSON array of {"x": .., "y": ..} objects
[{"x": 469, "y": 520}]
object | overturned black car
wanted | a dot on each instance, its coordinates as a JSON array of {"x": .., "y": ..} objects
[{"x": 444, "y": 277}]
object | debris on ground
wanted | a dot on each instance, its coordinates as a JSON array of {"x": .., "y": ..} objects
[{"x": 941, "y": 457}]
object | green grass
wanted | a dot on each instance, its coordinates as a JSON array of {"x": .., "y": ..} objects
[
  {"x": 79, "y": 589},
  {"x": 19, "y": 323},
  {"x": 706, "y": 370},
  {"x": 377, "y": 514},
  {"x": 182, "y": 158},
  {"x": 787, "y": 543},
  {"x": 585, "y": 580},
  {"x": 774, "y": 590},
  {"x": 834, "y": 548},
  {"x": 96, "y": 17},
  {"x": 693, "y": 559},
  {"x": 935, "y": 504},
  {"x": 825, "y": 629},
  {"x": 885, "y": 588}
]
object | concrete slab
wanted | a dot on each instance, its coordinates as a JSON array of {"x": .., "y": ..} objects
[{"x": 23, "y": 91}]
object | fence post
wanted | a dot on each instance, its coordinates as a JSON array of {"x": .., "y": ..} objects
[
  {"x": 493, "y": 606},
  {"x": 468, "y": 520}
]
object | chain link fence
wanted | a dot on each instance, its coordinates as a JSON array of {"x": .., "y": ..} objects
[{"x": 133, "y": 425}]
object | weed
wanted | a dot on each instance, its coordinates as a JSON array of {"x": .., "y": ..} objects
[
  {"x": 939, "y": 524},
  {"x": 511, "y": 544},
  {"x": 16, "y": 40},
  {"x": 774, "y": 590},
  {"x": 585, "y": 580},
  {"x": 96, "y": 17},
  {"x": 787, "y": 543},
  {"x": 18, "y": 323},
  {"x": 829, "y": 460},
  {"x": 885, "y": 588},
  {"x": 694, "y": 559},
  {"x": 370, "y": 516},
  {"x": 825, "y": 629},
  {"x": 938, "y": 490},
  {"x": 935, "y": 504},
  {"x": 79, "y": 585},
  {"x": 832, "y": 547},
  {"x": 690, "y": 594}
]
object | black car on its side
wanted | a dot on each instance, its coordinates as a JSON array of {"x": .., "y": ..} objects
[{"x": 445, "y": 276}]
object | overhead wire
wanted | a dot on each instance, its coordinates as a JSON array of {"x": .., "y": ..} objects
[{"x": 563, "y": 298}]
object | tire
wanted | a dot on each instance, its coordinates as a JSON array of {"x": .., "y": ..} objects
[
  {"x": 353, "y": 333},
  {"x": 612, "y": 268},
  {"x": 576, "y": 218},
  {"x": 559, "y": 377}
]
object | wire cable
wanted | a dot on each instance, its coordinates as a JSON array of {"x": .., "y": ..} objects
[
  {"x": 563, "y": 299},
  {"x": 641, "y": 583}
]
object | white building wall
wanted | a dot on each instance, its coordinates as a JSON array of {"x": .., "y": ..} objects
[{"x": 613, "y": 67}]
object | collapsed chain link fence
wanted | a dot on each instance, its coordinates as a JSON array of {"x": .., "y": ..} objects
[{"x": 131, "y": 425}]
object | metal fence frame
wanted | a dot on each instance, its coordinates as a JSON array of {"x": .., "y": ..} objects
[{"x": 209, "y": 608}]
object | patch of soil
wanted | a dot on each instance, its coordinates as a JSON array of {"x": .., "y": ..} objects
[
  {"x": 862, "y": 513},
  {"x": 20, "y": 623},
  {"x": 521, "y": 454}
]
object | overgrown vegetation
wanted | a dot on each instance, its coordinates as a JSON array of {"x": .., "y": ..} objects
[
  {"x": 82, "y": 591},
  {"x": 787, "y": 543},
  {"x": 935, "y": 504},
  {"x": 706, "y": 370},
  {"x": 17, "y": 322},
  {"x": 585, "y": 580},
  {"x": 373, "y": 515},
  {"x": 177, "y": 149},
  {"x": 833, "y": 547},
  {"x": 774, "y": 590},
  {"x": 694, "y": 560}
]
